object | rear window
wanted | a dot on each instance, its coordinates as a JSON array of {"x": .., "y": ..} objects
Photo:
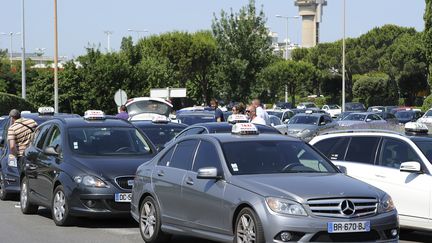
[{"x": 161, "y": 135}]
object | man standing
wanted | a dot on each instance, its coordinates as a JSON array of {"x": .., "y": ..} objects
[
  {"x": 122, "y": 113},
  {"x": 260, "y": 112},
  {"x": 20, "y": 133},
  {"x": 219, "y": 117},
  {"x": 251, "y": 112}
]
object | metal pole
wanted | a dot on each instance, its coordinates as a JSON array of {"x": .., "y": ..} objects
[
  {"x": 56, "y": 108},
  {"x": 343, "y": 60},
  {"x": 286, "y": 41},
  {"x": 10, "y": 51},
  {"x": 23, "y": 64},
  {"x": 109, "y": 45}
]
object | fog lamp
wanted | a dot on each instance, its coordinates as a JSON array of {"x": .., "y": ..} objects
[
  {"x": 286, "y": 236},
  {"x": 394, "y": 232}
]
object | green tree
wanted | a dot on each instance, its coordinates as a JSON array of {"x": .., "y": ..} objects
[
  {"x": 244, "y": 49},
  {"x": 427, "y": 35},
  {"x": 375, "y": 89}
]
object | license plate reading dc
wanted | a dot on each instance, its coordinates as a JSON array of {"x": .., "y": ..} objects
[
  {"x": 123, "y": 197},
  {"x": 347, "y": 227}
]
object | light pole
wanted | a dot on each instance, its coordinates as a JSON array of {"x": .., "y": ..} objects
[
  {"x": 23, "y": 64},
  {"x": 39, "y": 53},
  {"x": 56, "y": 108},
  {"x": 286, "y": 45},
  {"x": 138, "y": 32},
  {"x": 10, "y": 34},
  {"x": 343, "y": 60},
  {"x": 108, "y": 33}
]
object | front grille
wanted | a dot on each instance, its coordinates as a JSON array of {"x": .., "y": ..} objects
[
  {"x": 337, "y": 207},
  {"x": 345, "y": 237},
  {"x": 122, "y": 182}
]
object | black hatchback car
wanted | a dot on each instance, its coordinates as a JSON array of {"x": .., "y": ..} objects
[{"x": 83, "y": 167}]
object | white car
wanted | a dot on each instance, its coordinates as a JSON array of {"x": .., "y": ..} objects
[
  {"x": 147, "y": 109},
  {"x": 426, "y": 118},
  {"x": 399, "y": 164},
  {"x": 283, "y": 114},
  {"x": 333, "y": 110}
]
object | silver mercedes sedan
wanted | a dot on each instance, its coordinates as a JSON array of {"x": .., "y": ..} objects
[{"x": 249, "y": 187}]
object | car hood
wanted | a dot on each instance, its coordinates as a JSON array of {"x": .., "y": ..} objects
[
  {"x": 305, "y": 186},
  {"x": 300, "y": 127},
  {"x": 349, "y": 123},
  {"x": 109, "y": 167},
  {"x": 427, "y": 119}
]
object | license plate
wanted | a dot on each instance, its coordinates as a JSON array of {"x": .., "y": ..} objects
[
  {"x": 346, "y": 227},
  {"x": 123, "y": 197}
]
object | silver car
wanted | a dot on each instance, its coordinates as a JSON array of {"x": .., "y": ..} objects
[
  {"x": 307, "y": 125},
  {"x": 256, "y": 188}
]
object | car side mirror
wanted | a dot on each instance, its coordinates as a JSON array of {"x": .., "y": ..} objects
[
  {"x": 51, "y": 151},
  {"x": 322, "y": 123},
  {"x": 411, "y": 166},
  {"x": 343, "y": 169},
  {"x": 368, "y": 120},
  {"x": 208, "y": 173}
]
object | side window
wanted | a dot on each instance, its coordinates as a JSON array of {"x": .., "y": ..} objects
[
  {"x": 55, "y": 138},
  {"x": 333, "y": 148},
  {"x": 207, "y": 156},
  {"x": 327, "y": 119},
  {"x": 394, "y": 152},
  {"x": 362, "y": 149},
  {"x": 183, "y": 155},
  {"x": 166, "y": 158},
  {"x": 376, "y": 117},
  {"x": 40, "y": 136},
  {"x": 196, "y": 130}
]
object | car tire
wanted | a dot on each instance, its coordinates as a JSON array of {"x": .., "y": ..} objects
[
  {"x": 150, "y": 222},
  {"x": 248, "y": 227},
  {"x": 26, "y": 206},
  {"x": 4, "y": 195},
  {"x": 60, "y": 208}
]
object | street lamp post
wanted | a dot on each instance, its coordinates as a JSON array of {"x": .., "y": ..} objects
[
  {"x": 56, "y": 108},
  {"x": 10, "y": 34},
  {"x": 286, "y": 45},
  {"x": 23, "y": 64},
  {"x": 108, "y": 33},
  {"x": 138, "y": 32},
  {"x": 343, "y": 60}
]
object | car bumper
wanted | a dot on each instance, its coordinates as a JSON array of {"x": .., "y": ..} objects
[
  {"x": 98, "y": 202},
  {"x": 314, "y": 229}
]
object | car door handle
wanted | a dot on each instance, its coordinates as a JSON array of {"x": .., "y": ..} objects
[
  {"x": 380, "y": 176},
  {"x": 161, "y": 173},
  {"x": 189, "y": 181}
]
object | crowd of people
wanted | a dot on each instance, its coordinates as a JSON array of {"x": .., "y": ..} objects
[{"x": 255, "y": 112}]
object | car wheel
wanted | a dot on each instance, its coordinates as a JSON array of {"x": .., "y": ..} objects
[
  {"x": 26, "y": 206},
  {"x": 248, "y": 228},
  {"x": 60, "y": 208},
  {"x": 150, "y": 222},
  {"x": 3, "y": 193}
]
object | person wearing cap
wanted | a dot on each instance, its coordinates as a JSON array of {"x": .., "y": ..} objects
[
  {"x": 251, "y": 112},
  {"x": 20, "y": 133},
  {"x": 123, "y": 113}
]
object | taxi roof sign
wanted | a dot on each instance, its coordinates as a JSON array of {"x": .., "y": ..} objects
[
  {"x": 94, "y": 115},
  {"x": 237, "y": 118},
  {"x": 46, "y": 110},
  {"x": 160, "y": 119},
  {"x": 308, "y": 111},
  {"x": 244, "y": 129},
  {"x": 416, "y": 127}
]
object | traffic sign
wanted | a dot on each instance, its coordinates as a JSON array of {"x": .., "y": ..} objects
[
  {"x": 168, "y": 93},
  {"x": 120, "y": 97}
]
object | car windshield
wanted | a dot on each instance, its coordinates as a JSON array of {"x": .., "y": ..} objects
[
  {"x": 426, "y": 148},
  {"x": 312, "y": 120},
  {"x": 310, "y": 105},
  {"x": 275, "y": 113},
  {"x": 428, "y": 113},
  {"x": 404, "y": 114},
  {"x": 148, "y": 106},
  {"x": 355, "y": 117},
  {"x": 355, "y": 106},
  {"x": 194, "y": 119},
  {"x": 333, "y": 106},
  {"x": 271, "y": 157},
  {"x": 162, "y": 134},
  {"x": 102, "y": 141}
]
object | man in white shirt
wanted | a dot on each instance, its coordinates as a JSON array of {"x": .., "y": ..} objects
[
  {"x": 251, "y": 112},
  {"x": 260, "y": 112}
]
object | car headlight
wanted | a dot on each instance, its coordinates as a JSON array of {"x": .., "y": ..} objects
[
  {"x": 283, "y": 206},
  {"x": 90, "y": 181},
  {"x": 12, "y": 161},
  {"x": 386, "y": 204}
]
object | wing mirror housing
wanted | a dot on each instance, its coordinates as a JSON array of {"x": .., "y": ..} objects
[
  {"x": 411, "y": 166},
  {"x": 50, "y": 151},
  {"x": 368, "y": 120},
  {"x": 343, "y": 169},
  {"x": 208, "y": 173}
]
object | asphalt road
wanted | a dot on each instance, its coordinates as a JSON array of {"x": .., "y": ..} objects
[{"x": 18, "y": 228}]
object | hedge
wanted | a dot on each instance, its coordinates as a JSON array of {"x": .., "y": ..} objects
[{"x": 9, "y": 102}]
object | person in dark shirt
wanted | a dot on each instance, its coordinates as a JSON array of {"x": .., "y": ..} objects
[
  {"x": 123, "y": 113},
  {"x": 219, "y": 117}
]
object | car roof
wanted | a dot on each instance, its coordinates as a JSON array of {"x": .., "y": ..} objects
[
  {"x": 156, "y": 124},
  {"x": 81, "y": 122},
  {"x": 378, "y": 132},
  {"x": 311, "y": 114},
  {"x": 228, "y": 137},
  {"x": 213, "y": 127}
]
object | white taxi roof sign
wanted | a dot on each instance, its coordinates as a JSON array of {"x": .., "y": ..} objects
[
  {"x": 308, "y": 111},
  {"x": 160, "y": 119},
  {"x": 416, "y": 127},
  {"x": 46, "y": 110},
  {"x": 244, "y": 129},
  {"x": 94, "y": 115},
  {"x": 238, "y": 118}
]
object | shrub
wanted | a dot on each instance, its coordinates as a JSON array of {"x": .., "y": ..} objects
[
  {"x": 9, "y": 102},
  {"x": 427, "y": 103}
]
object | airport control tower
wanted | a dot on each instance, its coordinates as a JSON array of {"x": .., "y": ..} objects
[{"x": 311, "y": 12}]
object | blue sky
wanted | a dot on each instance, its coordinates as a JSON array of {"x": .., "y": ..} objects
[{"x": 83, "y": 21}]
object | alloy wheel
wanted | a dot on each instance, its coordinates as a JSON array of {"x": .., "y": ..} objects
[
  {"x": 246, "y": 232},
  {"x": 59, "y": 206},
  {"x": 148, "y": 220},
  {"x": 23, "y": 197}
]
